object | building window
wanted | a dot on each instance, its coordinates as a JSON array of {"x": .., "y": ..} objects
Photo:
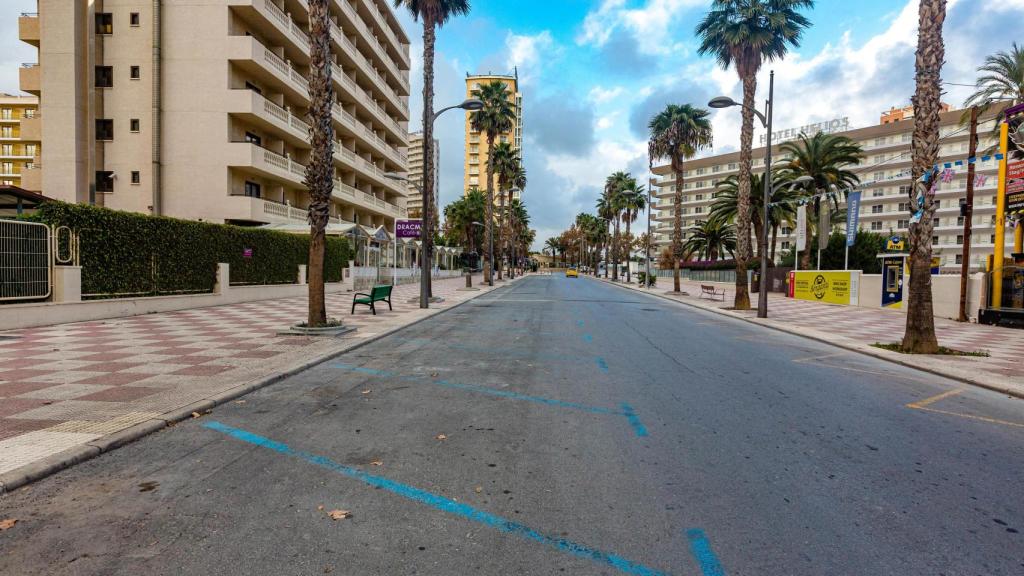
[
  {"x": 104, "y": 76},
  {"x": 903, "y": 224},
  {"x": 133, "y": 19},
  {"x": 959, "y": 238},
  {"x": 135, "y": 73},
  {"x": 252, "y": 189},
  {"x": 876, "y": 225},
  {"x": 904, "y": 206},
  {"x": 104, "y": 181},
  {"x": 876, "y": 209},
  {"x": 992, "y": 239},
  {"x": 134, "y": 124},
  {"x": 935, "y": 240},
  {"x": 7, "y": 150},
  {"x": 6, "y": 113},
  {"x": 136, "y": 177},
  {"x": 732, "y": 166},
  {"x": 253, "y": 87},
  {"x": 878, "y": 193},
  {"x": 104, "y": 23},
  {"x": 104, "y": 129},
  {"x": 7, "y": 167},
  {"x": 959, "y": 220},
  {"x": 959, "y": 258},
  {"x": 699, "y": 197},
  {"x": 785, "y": 245},
  {"x": 28, "y": 113},
  {"x": 935, "y": 223},
  {"x": 716, "y": 168},
  {"x": 30, "y": 149},
  {"x": 904, "y": 190},
  {"x": 786, "y": 230},
  {"x": 253, "y": 138},
  {"x": 6, "y": 132}
]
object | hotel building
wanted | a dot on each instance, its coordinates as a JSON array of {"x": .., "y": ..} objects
[
  {"x": 19, "y": 142},
  {"x": 476, "y": 142},
  {"x": 885, "y": 185},
  {"x": 415, "y": 204},
  {"x": 197, "y": 108}
]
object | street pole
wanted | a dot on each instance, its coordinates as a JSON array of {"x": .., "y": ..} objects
[
  {"x": 968, "y": 214},
  {"x": 647, "y": 277},
  {"x": 762, "y": 302}
]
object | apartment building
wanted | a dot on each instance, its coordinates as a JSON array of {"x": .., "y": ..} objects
[
  {"x": 885, "y": 184},
  {"x": 476, "y": 143},
  {"x": 19, "y": 142},
  {"x": 198, "y": 108},
  {"x": 415, "y": 203}
]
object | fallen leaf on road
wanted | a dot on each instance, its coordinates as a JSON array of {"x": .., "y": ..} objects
[
  {"x": 339, "y": 514},
  {"x": 366, "y": 391},
  {"x": 8, "y": 523},
  {"x": 441, "y": 437},
  {"x": 377, "y": 462},
  {"x": 320, "y": 508},
  {"x": 478, "y": 489},
  {"x": 196, "y": 414}
]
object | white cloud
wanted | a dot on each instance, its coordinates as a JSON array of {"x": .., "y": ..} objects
[
  {"x": 12, "y": 50},
  {"x": 530, "y": 53},
  {"x": 653, "y": 26},
  {"x": 600, "y": 94}
]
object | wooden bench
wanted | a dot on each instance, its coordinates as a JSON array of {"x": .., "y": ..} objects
[
  {"x": 377, "y": 294},
  {"x": 710, "y": 292}
]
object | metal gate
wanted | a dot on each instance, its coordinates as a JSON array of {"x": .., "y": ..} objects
[{"x": 26, "y": 260}]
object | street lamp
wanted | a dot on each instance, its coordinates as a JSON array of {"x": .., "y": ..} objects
[{"x": 766, "y": 121}]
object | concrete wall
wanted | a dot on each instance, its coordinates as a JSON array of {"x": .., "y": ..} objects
[{"x": 945, "y": 294}]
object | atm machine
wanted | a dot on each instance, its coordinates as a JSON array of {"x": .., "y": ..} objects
[{"x": 894, "y": 270}]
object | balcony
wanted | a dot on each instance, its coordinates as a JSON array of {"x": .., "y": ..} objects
[
  {"x": 262, "y": 112},
  {"x": 28, "y": 28},
  {"x": 247, "y": 208},
  {"x": 349, "y": 51},
  {"x": 366, "y": 35},
  {"x": 382, "y": 22},
  {"x": 367, "y": 201},
  {"x": 263, "y": 64},
  {"x": 29, "y": 78},
  {"x": 266, "y": 163},
  {"x": 366, "y": 168},
  {"x": 350, "y": 122},
  {"x": 272, "y": 23}
]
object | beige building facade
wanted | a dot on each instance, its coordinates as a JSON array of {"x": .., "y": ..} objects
[
  {"x": 197, "y": 108},
  {"x": 415, "y": 203},
  {"x": 885, "y": 184},
  {"x": 476, "y": 143},
  {"x": 20, "y": 142}
]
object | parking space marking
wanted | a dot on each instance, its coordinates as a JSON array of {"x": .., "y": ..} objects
[
  {"x": 936, "y": 398},
  {"x": 702, "y": 552},
  {"x": 822, "y": 357},
  {"x": 626, "y": 411},
  {"x": 924, "y": 406},
  {"x": 442, "y": 504},
  {"x": 600, "y": 361}
]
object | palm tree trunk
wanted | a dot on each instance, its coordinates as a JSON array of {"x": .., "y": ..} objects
[
  {"x": 920, "y": 337},
  {"x": 677, "y": 223},
  {"x": 427, "y": 239},
  {"x": 501, "y": 229},
  {"x": 489, "y": 222},
  {"x": 320, "y": 171},
  {"x": 629, "y": 248},
  {"x": 615, "y": 251},
  {"x": 775, "y": 235},
  {"x": 742, "y": 301}
]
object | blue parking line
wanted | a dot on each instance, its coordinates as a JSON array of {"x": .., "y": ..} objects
[
  {"x": 701, "y": 550},
  {"x": 443, "y": 504},
  {"x": 601, "y": 363},
  {"x": 634, "y": 420},
  {"x": 588, "y": 338},
  {"x": 580, "y": 323}
]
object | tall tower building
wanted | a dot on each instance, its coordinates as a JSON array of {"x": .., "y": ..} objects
[
  {"x": 19, "y": 142},
  {"x": 476, "y": 142},
  {"x": 198, "y": 108},
  {"x": 415, "y": 204}
]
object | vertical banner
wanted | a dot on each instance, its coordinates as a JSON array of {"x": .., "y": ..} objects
[
  {"x": 801, "y": 228},
  {"x": 852, "y": 217},
  {"x": 1015, "y": 186},
  {"x": 824, "y": 224}
]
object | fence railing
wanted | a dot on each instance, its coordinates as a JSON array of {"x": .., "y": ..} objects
[{"x": 26, "y": 260}]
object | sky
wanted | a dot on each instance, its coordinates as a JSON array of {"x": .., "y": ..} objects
[{"x": 593, "y": 72}]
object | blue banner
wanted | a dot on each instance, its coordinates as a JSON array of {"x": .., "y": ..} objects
[{"x": 852, "y": 217}]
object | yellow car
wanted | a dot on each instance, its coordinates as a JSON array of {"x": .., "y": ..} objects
[{"x": 572, "y": 273}]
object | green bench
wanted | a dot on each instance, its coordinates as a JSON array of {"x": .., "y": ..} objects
[{"x": 377, "y": 294}]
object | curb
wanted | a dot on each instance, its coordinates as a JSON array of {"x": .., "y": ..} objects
[
  {"x": 853, "y": 347},
  {"x": 14, "y": 479}
]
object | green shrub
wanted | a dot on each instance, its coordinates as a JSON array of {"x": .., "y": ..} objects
[{"x": 134, "y": 254}]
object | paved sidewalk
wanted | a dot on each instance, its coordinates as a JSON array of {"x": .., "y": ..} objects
[
  {"x": 71, "y": 391},
  {"x": 858, "y": 328}
]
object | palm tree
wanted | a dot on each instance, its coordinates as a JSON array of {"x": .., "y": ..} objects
[
  {"x": 494, "y": 118},
  {"x": 633, "y": 201},
  {"x": 920, "y": 337},
  {"x": 711, "y": 238},
  {"x": 434, "y": 14},
  {"x": 504, "y": 162},
  {"x": 678, "y": 132},
  {"x": 320, "y": 171},
  {"x": 519, "y": 222},
  {"x": 825, "y": 158},
  {"x": 460, "y": 218},
  {"x": 615, "y": 187},
  {"x": 745, "y": 34},
  {"x": 1002, "y": 80},
  {"x": 605, "y": 213}
]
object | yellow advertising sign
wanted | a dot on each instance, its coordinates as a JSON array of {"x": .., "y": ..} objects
[{"x": 823, "y": 286}]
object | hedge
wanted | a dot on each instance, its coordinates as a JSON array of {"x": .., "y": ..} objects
[{"x": 126, "y": 253}]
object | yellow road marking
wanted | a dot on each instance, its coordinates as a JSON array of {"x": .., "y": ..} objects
[
  {"x": 936, "y": 398},
  {"x": 969, "y": 416},
  {"x": 874, "y": 372}
]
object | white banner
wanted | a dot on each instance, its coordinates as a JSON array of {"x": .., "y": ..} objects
[{"x": 801, "y": 228}]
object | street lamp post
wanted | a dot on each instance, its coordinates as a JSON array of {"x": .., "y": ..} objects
[
  {"x": 426, "y": 192},
  {"x": 726, "y": 102}
]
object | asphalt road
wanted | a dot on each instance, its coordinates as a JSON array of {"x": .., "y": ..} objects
[{"x": 557, "y": 426}]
